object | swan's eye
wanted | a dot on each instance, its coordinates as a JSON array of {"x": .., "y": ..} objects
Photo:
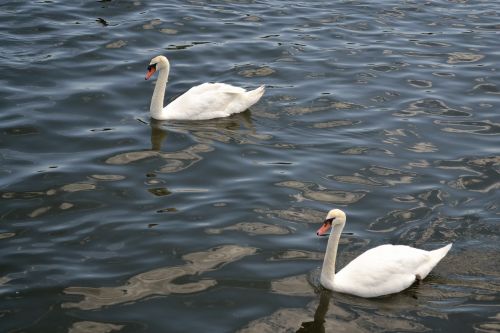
[
  {"x": 153, "y": 66},
  {"x": 329, "y": 221}
]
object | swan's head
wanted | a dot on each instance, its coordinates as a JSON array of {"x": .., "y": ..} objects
[
  {"x": 333, "y": 218},
  {"x": 157, "y": 63}
]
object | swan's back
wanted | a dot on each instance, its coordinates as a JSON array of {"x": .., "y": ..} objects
[
  {"x": 386, "y": 269},
  {"x": 212, "y": 100}
]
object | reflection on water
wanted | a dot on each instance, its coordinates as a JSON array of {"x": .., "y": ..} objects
[
  {"x": 390, "y": 111},
  {"x": 293, "y": 286},
  {"x": 252, "y": 228},
  {"x": 160, "y": 281},
  {"x": 333, "y": 312},
  {"x": 318, "y": 324},
  {"x": 483, "y": 176},
  {"x": 356, "y": 179},
  {"x": 295, "y": 214},
  {"x": 324, "y": 104},
  {"x": 158, "y": 134},
  {"x": 330, "y": 196},
  {"x": 203, "y": 133},
  {"x": 457, "y": 57},
  {"x": 471, "y": 127},
  {"x": 94, "y": 327},
  {"x": 298, "y": 254},
  {"x": 433, "y": 107},
  {"x": 130, "y": 157},
  {"x": 386, "y": 223},
  {"x": 176, "y": 161},
  {"x": 295, "y": 320},
  {"x": 57, "y": 195},
  {"x": 335, "y": 123},
  {"x": 78, "y": 187}
]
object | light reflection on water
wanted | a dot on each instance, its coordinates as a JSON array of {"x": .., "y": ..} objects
[
  {"x": 160, "y": 282},
  {"x": 389, "y": 112}
]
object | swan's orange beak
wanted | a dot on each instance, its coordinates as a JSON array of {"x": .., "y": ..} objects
[
  {"x": 324, "y": 228},
  {"x": 151, "y": 71}
]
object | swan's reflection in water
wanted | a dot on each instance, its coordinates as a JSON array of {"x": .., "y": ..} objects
[
  {"x": 158, "y": 134},
  {"x": 318, "y": 324},
  {"x": 160, "y": 281},
  {"x": 293, "y": 319},
  {"x": 332, "y": 312},
  {"x": 175, "y": 160},
  {"x": 335, "y": 312},
  {"x": 238, "y": 128},
  {"x": 235, "y": 127}
]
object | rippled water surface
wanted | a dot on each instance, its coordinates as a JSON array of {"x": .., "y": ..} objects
[{"x": 112, "y": 222}]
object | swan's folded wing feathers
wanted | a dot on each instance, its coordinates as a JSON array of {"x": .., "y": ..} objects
[
  {"x": 205, "y": 101},
  {"x": 229, "y": 89},
  {"x": 211, "y": 100},
  {"x": 222, "y": 99},
  {"x": 215, "y": 88},
  {"x": 382, "y": 270}
]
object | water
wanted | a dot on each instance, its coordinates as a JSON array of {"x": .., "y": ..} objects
[{"x": 111, "y": 222}]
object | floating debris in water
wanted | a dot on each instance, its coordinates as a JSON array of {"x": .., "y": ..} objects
[{"x": 102, "y": 21}]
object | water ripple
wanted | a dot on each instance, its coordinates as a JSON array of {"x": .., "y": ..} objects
[{"x": 388, "y": 111}]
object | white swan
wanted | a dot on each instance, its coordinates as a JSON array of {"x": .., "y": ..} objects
[
  {"x": 206, "y": 101},
  {"x": 383, "y": 270}
]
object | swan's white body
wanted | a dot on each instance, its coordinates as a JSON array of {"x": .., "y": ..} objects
[
  {"x": 206, "y": 101},
  {"x": 383, "y": 270}
]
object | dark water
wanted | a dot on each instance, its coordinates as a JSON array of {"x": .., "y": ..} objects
[{"x": 111, "y": 222}]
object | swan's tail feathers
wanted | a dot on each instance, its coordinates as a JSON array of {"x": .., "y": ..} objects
[
  {"x": 256, "y": 94},
  {"x": 249, "y": 98},
  {"x": 261, "y": 89},
  {"x": 441, "y": 252},
  {"x": 435, "y": 257}
]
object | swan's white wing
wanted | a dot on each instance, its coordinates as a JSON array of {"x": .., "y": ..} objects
[
  {"x": 217, "y": 87},
  {"x": 206, "y": 101},
  {"x": 383, "y": 270}
]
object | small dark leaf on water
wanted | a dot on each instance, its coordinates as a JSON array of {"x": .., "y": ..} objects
[
  {"x": 101, "y": 129},
  {"x": 167, "y": 210},
  {"x": 102, "y": 21}
]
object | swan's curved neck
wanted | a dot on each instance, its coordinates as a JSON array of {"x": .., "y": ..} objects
[
  {"x": 159, "y": 93},
  {"x": 328, "y": 270}
]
